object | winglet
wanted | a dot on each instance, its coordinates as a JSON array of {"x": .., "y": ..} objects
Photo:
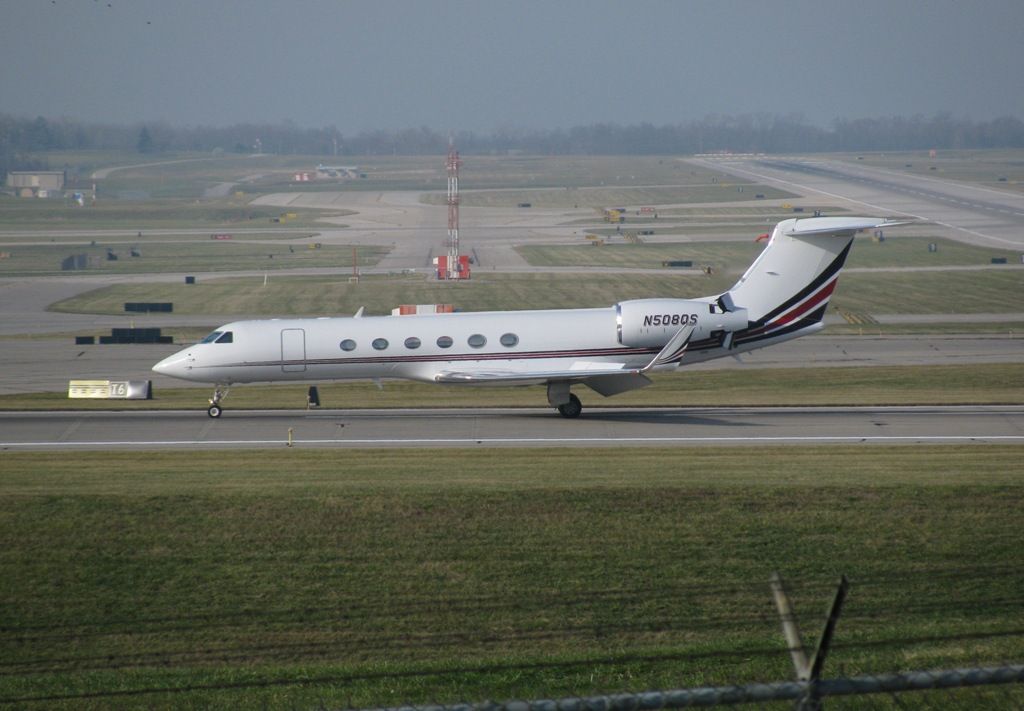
[
  {"x": 359, "y": 313},
  {"x": 674, "y": 349}
]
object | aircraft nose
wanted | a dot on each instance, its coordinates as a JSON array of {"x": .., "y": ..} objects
[{"x": 175, "y": 366}]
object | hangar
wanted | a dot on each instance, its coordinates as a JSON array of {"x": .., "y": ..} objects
[{"x": 37, "y": 183}]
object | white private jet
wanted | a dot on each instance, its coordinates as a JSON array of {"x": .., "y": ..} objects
[{"x": 783, "y": 295}]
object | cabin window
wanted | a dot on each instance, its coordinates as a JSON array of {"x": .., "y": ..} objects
[
  {"x": 348, "y": 345},
  {"x": 380, "y": 343},
  {"x": 477, "y": 340},
  {"x": 445, "y": 342},
  {"x": 226, "y": 337},
  {"x": 412, "y": 343},
  {"x": 509, "y": 340},
  {"x": 212, "y": 337}
]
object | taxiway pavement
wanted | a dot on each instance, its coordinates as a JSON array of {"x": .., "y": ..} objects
[{"x": 597, "y": 427}]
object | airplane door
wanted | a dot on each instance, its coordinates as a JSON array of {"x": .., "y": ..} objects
[{"x": 293, "y": 350}]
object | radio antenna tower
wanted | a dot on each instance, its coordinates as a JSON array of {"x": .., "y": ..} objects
[{"x": 452, "y": 264}]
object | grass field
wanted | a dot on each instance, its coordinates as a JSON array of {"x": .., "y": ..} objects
[
  {"x": 188, "y": 175},
  {"x": 898, "y": 252},
  {"x": 13, "y": 243},
  {"x": 600, "y": 197},
  {"x": 879, "y": 293},
  {"x": 931, "y": 292},
  {"x": 222, "y": 215},
  {"x": 580, "y": 171},
  {"x": 323, "y": 578},
  {"x": 379, "y": 294},
  {"x": 428, "y": 173},
  {"x": 193, "y": 255}
]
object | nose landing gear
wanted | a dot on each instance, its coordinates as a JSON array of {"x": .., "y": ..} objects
[{"x": 219, "y": 393}]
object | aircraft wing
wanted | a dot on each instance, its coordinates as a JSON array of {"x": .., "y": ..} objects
[
  {"x": 578, "y": 374},
  {"x": 605, "y": 378}
]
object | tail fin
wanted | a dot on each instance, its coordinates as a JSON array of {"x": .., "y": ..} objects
[{"x": 788, "y": 287}]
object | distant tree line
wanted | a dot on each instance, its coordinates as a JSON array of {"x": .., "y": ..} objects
[{"x": 24, "y": 143}]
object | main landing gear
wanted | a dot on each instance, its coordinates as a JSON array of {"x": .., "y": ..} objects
[
  {"x": 219, "y": 393},
  {"x": 571, "y": 409},
  {"x": 559, "y": 397}
]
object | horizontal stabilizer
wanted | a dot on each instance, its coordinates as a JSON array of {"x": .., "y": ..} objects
[{"x": 838, "y": 226}]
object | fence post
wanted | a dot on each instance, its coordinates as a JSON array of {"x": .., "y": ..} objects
[
  {"x": 809, "y": 672},
  {"x": 789, "y": 628}
]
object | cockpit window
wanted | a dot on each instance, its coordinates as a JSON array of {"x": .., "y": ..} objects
[
  {"x": 212, "y": 337},
  {"x": 226, "y": 337}
]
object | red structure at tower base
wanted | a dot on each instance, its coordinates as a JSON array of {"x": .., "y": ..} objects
[{"x": 460, "y": 268}]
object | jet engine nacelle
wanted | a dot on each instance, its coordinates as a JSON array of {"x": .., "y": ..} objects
[{"x": 650, "y": 323}]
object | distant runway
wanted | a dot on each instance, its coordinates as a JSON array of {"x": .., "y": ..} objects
[
  {"x": 426, "y": 428},
  {"x": 970, "y": 213}
]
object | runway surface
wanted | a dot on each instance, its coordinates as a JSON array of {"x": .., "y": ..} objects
[
  {"x": 426, "y": 428},
  {"x": 961, "y": 211}
]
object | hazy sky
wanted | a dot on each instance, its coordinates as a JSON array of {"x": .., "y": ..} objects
[{"x": 488, "y": 65}]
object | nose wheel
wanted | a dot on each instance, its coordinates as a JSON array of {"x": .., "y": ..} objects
[{"x": 219, "y": 393}]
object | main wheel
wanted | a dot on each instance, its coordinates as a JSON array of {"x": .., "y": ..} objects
[
  {"x": 573, "y": 408},
  {"x": 214, "y": 411}
]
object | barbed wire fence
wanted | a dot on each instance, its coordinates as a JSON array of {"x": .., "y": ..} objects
[
  {"x": 703, "y": 697},
  {"x": 969, "y": 629},
  {"x": 808, "y": 691}
]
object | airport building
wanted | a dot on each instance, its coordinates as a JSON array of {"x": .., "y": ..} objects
[{"x": 36, "y": 183}]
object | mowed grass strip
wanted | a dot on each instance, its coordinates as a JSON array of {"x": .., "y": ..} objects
[
  {"x": 295, "y": 252},
  {"x": 379, "y": 294},
  {"x": 219, "y": 215},
  {"x": 988, "y": 384},
  {"x": 897, "y": 292},
  {"x": 612, "y": 196},
  {"x": 297, "y": 578},
  {"x": 721, "y": 255},
  {"x": 893, "y": 252},
  {"x": 964, "y": 292}
]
